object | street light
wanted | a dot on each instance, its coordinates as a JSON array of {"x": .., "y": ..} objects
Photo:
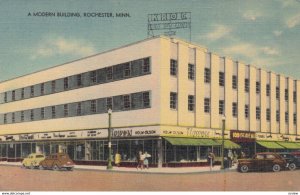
[
  {"x": 222, "y": 148},
  {"x": 109, "y": 166}
]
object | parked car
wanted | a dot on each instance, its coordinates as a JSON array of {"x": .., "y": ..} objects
[
  {"x": 33, "y": 160},
  {"x": 57, "y": 162},
  {"x": 292, "y": 161},
  {"x": 296, "y": 154},
  {"x": 262, "y": 162}
]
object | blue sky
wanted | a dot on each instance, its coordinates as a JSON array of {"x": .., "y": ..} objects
[{"x": 264, "y": 33}]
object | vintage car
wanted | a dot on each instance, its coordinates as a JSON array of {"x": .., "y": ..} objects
[
  {"x": 32, "y": 160},
  {"x": 56, "y": 162},
  {"x": 296, "y": 154},
  {"x": 292, "y": 160},
  {"x": 262, "y": 161}
]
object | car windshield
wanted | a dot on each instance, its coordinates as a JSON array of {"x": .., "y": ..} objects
[{"x": 39, "y": 156}]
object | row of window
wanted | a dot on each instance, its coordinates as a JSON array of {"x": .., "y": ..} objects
[
  {"x": 117, "y": 103},
  {"x": 117, "y": 72},
  {"x": 191, "y": 107},
  {"x": 207, "y": 79}
]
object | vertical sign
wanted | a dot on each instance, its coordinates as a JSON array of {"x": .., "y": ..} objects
[{"x": 169, "y": 23}]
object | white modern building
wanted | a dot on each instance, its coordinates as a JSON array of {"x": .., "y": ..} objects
[{"x": 168, "y": 98}]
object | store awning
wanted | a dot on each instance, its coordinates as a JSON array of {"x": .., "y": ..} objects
[
  {"x": 228, "y": 144},
  {"x": 191, "y": 141},
  {"x": 289, "y": 145},
  {"x": 270, "y": 145}
]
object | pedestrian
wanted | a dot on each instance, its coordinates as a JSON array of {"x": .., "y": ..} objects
[
  {"x": 117, "y": 159},
  {"x": 140, "y": 159},
  {"x": 211, "y": 159},
  {"x": 235, "y": 157},
  {"x": 230, "y": 158},
  {"x": 146, "y": 161}
]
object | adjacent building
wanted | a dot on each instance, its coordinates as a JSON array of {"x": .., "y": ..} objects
[{"x": 168, "y": 98}]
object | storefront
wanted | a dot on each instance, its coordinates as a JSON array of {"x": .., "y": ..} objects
[{"x": 246, "y": 140}]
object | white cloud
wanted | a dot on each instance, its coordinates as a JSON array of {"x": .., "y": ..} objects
[
  {"x": 251, "y": 15},
  {"x": 277, "y": 33},
  {"x": 61, "y": 46},
  {"x": 270, "y": 51},
  {"x": 244, "y": 49},
  {"x": 293, "y": 21},
  {"x": 219, "y": 31}
]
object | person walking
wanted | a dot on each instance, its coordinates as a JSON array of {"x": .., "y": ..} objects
[
  {"x": 140, "y": 160},
  {"x": 146, "y": 161},
  {"x": 117, "y": 159},
  {"x": 210, "y": 159},
  {"x": 230, "y": 158}
]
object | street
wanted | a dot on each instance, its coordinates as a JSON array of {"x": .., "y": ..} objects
[{"x": 14, "y": 178}]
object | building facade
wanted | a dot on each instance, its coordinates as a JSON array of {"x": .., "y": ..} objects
[{"x": 168, "y": 98}]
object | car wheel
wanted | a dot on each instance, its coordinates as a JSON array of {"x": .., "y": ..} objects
[
  {"x": 292, "y": 166},
  {"x": 276, "y": 168},
  {"x": 41, "y": 167},
  {"x": 55, "y": 168},
  {"x": 244, "y": 169},
  {"x": 70, "y": 168}
]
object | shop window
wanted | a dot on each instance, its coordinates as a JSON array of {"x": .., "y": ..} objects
[
  {"x": 173, "y": 67},
  {"x": 3, "y": 150},
  {"x": 124, "y": 150},
  {"x": 136, "y": 146},
  {"x": 173, "y": 100},
  {"x": 191, "y": 71},
  {"x": 80, "y": 151}
]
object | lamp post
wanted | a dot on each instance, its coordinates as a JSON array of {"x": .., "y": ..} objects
[
  {"x": 222, "y": 147},
  {"x": 109, "y": 166}
]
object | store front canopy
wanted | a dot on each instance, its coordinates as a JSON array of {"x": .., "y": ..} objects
[
  {"x": 229, "y": 144},
  {"x": 270, "y": 145},
  {"x": 191, "y": 141},
  {"x": 289, "y": 145}
]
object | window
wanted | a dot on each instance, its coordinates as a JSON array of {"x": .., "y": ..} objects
[
  {"x": 126, "y": 99},
  {"x": 109, "y": 73},
  {"x": 93, "y": 106},
  {"x": 31, "y": 91},
  {"x": 53, "y": 112},
  {"x": 13, "y": 117},
  {"x": 277, "y": 93},
  {"x": 22, "y": 116},
  {"x": 257, "y": 87},
  {"x": 5, "y": 97},
  {"x": 247, "y": 111},
  {"x": 191, "y": 72},
  {"x": 93, "y": 76},
  {"x": 234, "y": 109},
  {"x": 146, "y": 65},
  {"x": 191, "y": 103},
  {"x": 22, "y": 93},
  {"x": 79, "y": 80},
  {"x": 53, "y": 86},
  {"x": 127, "y": 71},
  {"x": 270, "y": 156},
  {"x": 66, "y": 83},
  {"x": 146, "y": 99},
  {"x": 42, "y": 113},
  {"x": 246, "y": 85},
  {"x": 207, "y": 75},
  {"x": 234, "y": 82},
  {"x": 109, "y": 103},
  {"x": 206, "y": 105},
  {"x": 286, "y": 94},
  {"x": 221, "y": 79},
  {"x": 173, "y": 67},
  {"x": 66, "y": 110},
  {"x": 173, "y": 100},
  {"x": 277, "y": 116},
  {"x": 42, "y": 89},
  {"x": 295, "y": 118},
  {"x": 294, "y": 96},
  {"x": 13, "y": 95},
  {"x": 221, "y": 107},
  {"x": 268, "y": 114},
  {"x": 78, "y": 112},
  {"x": 286, "y": 117},
  {"x": 268, "y": 90},
  {"x": 31, "y": 115},
  {"x": 257, "y": 113},
  {"x": 5, "y": 119}
]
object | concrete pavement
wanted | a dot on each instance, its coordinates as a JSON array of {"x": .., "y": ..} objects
[{"x": 166, "y": 170}]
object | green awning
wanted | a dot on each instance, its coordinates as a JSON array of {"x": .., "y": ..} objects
[
  {"x": 191, "y": 141},
  {"x": 289, "y": 145},
  {"x": 228, "y": 144},
  {"x": 270, "y": 145}
]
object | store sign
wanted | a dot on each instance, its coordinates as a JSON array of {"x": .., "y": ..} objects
[
  {"x": 133, "y": 132},
  {"x": 26, "y": 137},
  {"x": 242, "y": 136},
  {"x": 193, "y": 132}
]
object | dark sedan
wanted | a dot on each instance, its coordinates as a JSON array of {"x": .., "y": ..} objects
[
  {"x": 292, "y": 160},
  {"x": 262, "y": 162}
]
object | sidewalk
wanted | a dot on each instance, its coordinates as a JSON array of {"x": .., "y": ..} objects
[{"x": 166, "y": 170}]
